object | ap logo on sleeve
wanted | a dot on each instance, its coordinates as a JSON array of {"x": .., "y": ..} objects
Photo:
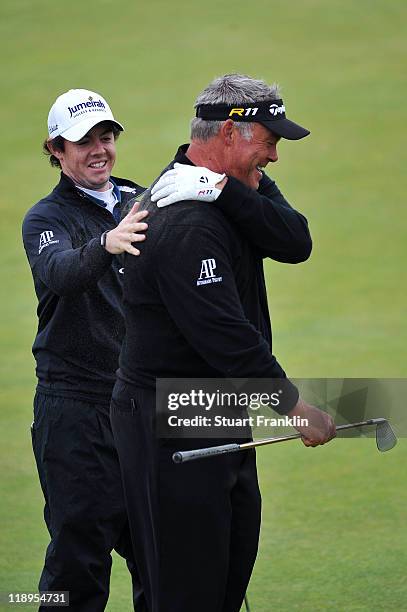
[
  {"x": 46, "y": 238},
  {"x": 207, "y": 273}
]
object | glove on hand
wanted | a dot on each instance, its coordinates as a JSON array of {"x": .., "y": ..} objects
[{"x": 186, "y": 182}]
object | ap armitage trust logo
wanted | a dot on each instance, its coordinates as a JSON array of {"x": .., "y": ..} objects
[
  {"x": 207, "y": 273},
  {"x": 46, "y": 238}
]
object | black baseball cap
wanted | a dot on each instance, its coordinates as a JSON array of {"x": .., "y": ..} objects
[{"x": 270, "y": 113}]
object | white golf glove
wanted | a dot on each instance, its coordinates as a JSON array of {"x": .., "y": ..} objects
[{"x": 186, "y": 182}]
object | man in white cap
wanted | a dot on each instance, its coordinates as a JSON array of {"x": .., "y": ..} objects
[{"x": 72, "y": 238}]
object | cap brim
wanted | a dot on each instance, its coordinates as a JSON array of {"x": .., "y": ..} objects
[
  {"x": 286, "y": 129},
  {"x": 78, "y": 131}
]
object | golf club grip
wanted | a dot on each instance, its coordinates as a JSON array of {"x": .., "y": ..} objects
[{"x": 199, "y": 453}]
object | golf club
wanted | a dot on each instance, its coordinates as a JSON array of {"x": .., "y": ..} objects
[{"x": 385, "y": 440}]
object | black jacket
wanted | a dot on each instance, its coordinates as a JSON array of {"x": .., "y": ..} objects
[
  {"x": 195, "y": 301},
  {"x": 78, "y": 285}
]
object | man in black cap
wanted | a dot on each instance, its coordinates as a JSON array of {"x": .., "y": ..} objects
[{"x": 196, "y": 307}]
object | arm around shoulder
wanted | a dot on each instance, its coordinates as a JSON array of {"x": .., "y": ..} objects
[{"x": 267, "y": 220}]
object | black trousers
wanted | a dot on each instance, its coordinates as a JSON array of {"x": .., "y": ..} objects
[
  {"x": 195, "y": 526},
  {"x": 84, "y": 505}
]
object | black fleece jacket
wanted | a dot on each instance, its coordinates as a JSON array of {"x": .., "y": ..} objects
[
  {"x": 78, "y": 286},
  {"x": 195, "y": 300}
]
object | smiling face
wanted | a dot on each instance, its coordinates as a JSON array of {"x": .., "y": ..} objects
[
  {"x": 246, "y": 158},
  {"x": 89, "y": 161}
]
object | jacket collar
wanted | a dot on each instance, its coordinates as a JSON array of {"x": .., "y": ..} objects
[
  {"x": 67, "y": 189},
  {"x": 181, "y": 155}
]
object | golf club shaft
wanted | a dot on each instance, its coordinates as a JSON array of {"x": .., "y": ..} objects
[{"x": 199, "y": 453}]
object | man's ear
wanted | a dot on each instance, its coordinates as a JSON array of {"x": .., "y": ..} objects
[
  {"x": 228, "y": 132},
  {"x": 58, "y": 154}
]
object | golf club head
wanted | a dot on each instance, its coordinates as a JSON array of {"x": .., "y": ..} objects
[{"x": 385, "y": 437}]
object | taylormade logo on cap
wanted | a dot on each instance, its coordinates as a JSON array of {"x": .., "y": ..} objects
[
  {"x": 76, "y": 112},
  {"x": 276, "y": 109}
]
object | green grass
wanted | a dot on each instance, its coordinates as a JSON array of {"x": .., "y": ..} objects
[{"x": 332, "y": 536}]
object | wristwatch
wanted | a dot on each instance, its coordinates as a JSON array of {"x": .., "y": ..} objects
[{"x": 103, "y": 239}]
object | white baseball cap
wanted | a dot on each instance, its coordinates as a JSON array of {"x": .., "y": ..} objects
[{"x": 76, "y": 112}]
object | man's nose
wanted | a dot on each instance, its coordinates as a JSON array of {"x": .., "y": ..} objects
[
  {"x": 98, "y": 147},
  {"x": 273, "y": 155}
]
